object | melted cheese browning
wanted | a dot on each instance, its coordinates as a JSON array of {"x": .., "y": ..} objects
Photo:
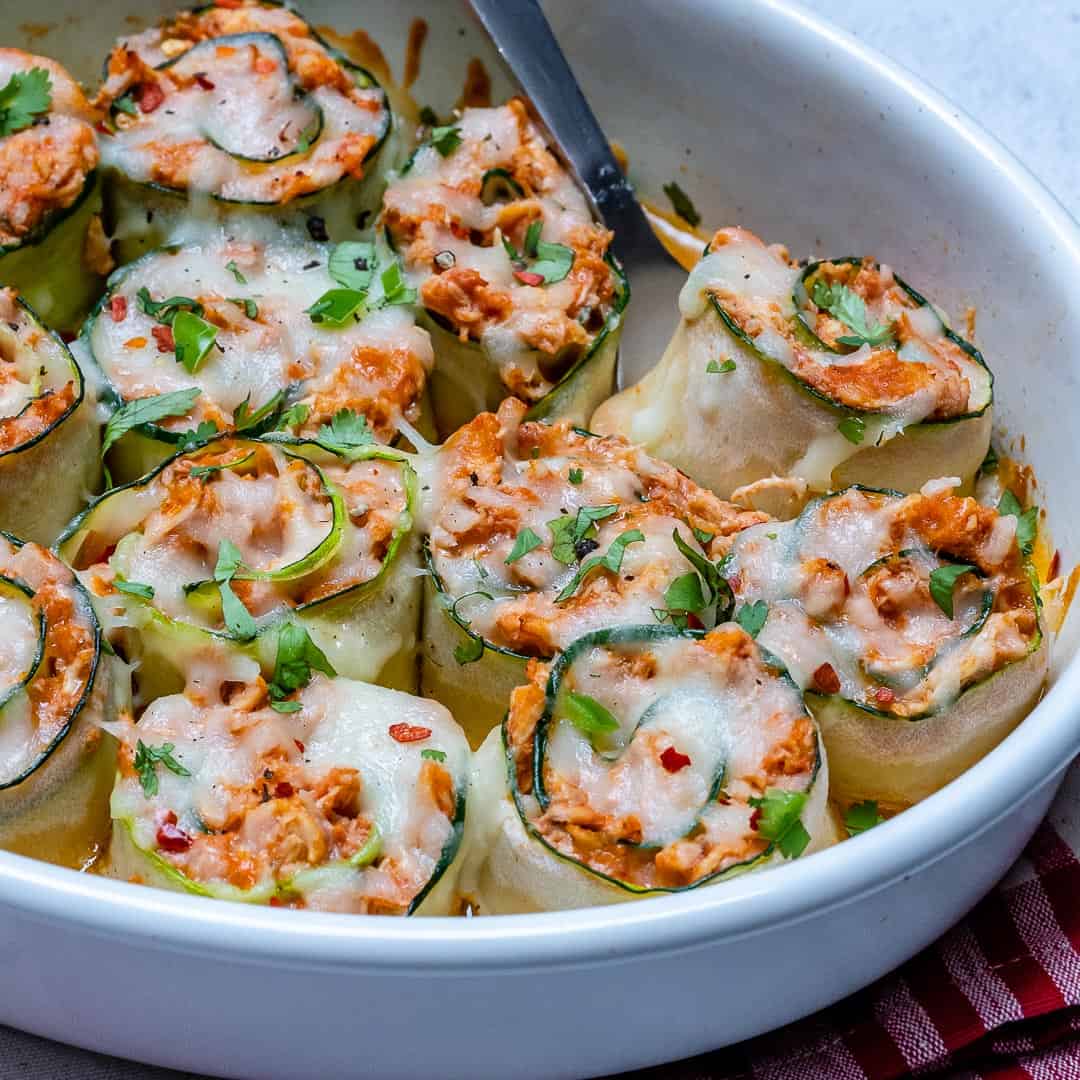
[
  {"x": 277, "y": 804},
  {"x": 266, "y": 342},
  {"x": 451, "y": 232},
  {"x": 243, "y": 103},
  {"x": 662, "y": 802},
  {"x": 498, "y": 476},
  {"x": 275, "y": 507},
  {"x": 918, "y": 374},
  {"x": 850, "y": 605},
  {"x": 39, "y": 712},
  {"x": 44, "y": 167},
  {"x": 39, "y": 383}
]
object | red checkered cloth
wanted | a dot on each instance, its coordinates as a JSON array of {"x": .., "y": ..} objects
[{"x": 997, "y": 998}]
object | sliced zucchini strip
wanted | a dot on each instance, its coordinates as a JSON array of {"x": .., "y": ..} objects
[
  {"x": 52, "y": 248},
  {"x": 912, "y": 623},
  {"x": 827, "y": 375},
  {"x": 248, "y": 106},
  {"x": 520, "y": 293},
  {"x": 645, "y": 759},
  {"x": 540, "y": 532},
  {"x": 347, "y": 797},
  {"x": 56, "y": 688},
  {"x": 221, "y": 543},
  {"x": 49, "y": 435},
  {"x": 260, "y": 352}
]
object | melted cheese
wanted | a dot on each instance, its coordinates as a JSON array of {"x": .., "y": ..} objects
[
  {"x": 297, "y": 839},
  {"x": 847, "y": 584},
  {"x": 376, "y": 366}
]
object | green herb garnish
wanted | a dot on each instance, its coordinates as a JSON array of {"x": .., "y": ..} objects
[
  {"x": 193, "y": 338},
  {"x": 251, "y": 309},
  {"x": 165, "y": 311},
  {"x": 714, "y": 367},
  {"x": 433, "y": 755},
  {"x": 849, "y": 307},
  {"x": 336, "y": 307},
  {"x": 297, "y": 657},
  {"x": 145, "y": 411},
  {"x": 611, "y": 560},
  {"x": 1027, "y": 521},
  {"x": 446, "y": 139},
  {"x": 862, "y": 816},
  {"x": 751, "y": 617},
  {"x": 942, "y": 582},
  {"x": 778, "y": 820},
  {"x": 588, "y": 715},
  {"x": 576, "y": 476},
  {"x": 681, "y": 204},
  {"x": 853, "y": 428},
  {"x": 237, "y": 618},
  {"x": 148, "y": 758},
  {"x": 23, "y": 98},
  {"x": 525, "y": 542},
  {"x": 134, "y": 588},
  {"x": 352, "y": 264},
  {"x": 235, "y": 271},
  {"x": 347, "y": 431}
]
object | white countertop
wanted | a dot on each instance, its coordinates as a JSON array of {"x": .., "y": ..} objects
[{"x": 1013, "y": 67}]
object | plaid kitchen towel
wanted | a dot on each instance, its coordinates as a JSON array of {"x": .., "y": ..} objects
[{"x": 997, "y": 998}]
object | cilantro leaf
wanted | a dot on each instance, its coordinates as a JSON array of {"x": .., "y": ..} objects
[
  {"x": 719, "y": 592},
  {"x": 752, "y": 617},
  {"x": 251, "y": 309},
  {"x": 714, "y": 367},
  {"x": 611, "y": 560},
  {"x": 553, "y": 261},
  {"x": 165, "y": 311},
  {"x": 532, "y": 238},
  {"x": 337, "y": 306},
  {"x": 237, "y": 618},
  {"x": 193, "y": 338},
  {"x": 525, "y": 542},
  {"x": 853, "y": 428},
  {"x": 202, "y": 432},
  {"x": 245, "y": 420},
  {"x": 346, "y": 431},
  {"x": 145, "y": 411},
  {"x": 703, "y": 537},
  {"x": 1027, "y": 521},
  {"x": 562, "y": 539},
  {"x": 134, "y": 588},
  {"x": 470, "y": 650},
  {"x": 446, "y": 139},
  {"x": 235, "y": 271},
  {"x": 294, "y": 416},
  {"x": 575, "y": 476},
  {"x": 778, "y": 820},
  {"x": 433, "y": 755},
  {"x": 942, "y": 582},
  {"x": 148, "y": 758},
  {"x": 862, "y": 816},
  {"x": 26, "y": 96},
  {"x": 396, "y": 289},
  {"x": 297, "y": 657},
  {"x": 685, "y": 594},
  {"x": 352, "y": 264},
  {"x": 849, "y": 307},
  {"x": 681, "y": 204},
  {"x": 588, "y": 715}
]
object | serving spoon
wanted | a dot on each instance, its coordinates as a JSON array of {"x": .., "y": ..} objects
[{"x": 522, "y": 35}]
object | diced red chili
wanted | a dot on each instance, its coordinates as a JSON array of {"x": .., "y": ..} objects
[
  {"x": 406, "y": 733},
  {"x": 826, "y": 680},
  {"x": 164, "y": 338},
  {"x": 755, "y": 817},
  {"x": 673, "y": 761},
  {"x": 203, "y": 81},
  {"x": 148, "y": 96},
  {"x": 118, "y": 308},
  {"x": 884, "y": 696},
  {"x": 527, "y": 277},
  {"x": 1055, "y": 566},
  {"x": 299, "y": 745},
  {"x": 283, "y": 790},
  {"x": 694, "y": 622},
  {"x": 170, "y": 837},
  {"x": 274, "y": 901},
  {"x": 264, "y": 65}
]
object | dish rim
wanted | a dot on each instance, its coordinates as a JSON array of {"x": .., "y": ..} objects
[{"x": 1031, "y": 757}]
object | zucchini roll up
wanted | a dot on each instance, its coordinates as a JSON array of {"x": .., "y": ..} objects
[
  {"x": 519, "y": 291},
  {"x": 246, "y": 110},
  {"x": 227, "y": 334},
  {"x": 341, "y": 796},
  {"x": 783, "y": 378},
  {"x": 52, "y": 247},
  {"x": 220, "y": 543},
  {"x": 644, "y": 760},
  {"x": 49, "y": 435},
  {"x": 56, "y": 686},
  {"x": 540, "y": 532},
  {"x": 912, "y": 622}
]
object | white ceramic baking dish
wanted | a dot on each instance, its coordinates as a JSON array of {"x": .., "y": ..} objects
[{"x": 773, "y": 120}]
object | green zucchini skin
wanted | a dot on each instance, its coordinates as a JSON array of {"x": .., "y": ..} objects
[
  {"x": 367, "y": 630},
  {"x": 464, "y": 383},
  {"x": 360, "y": 723},
  {"x": 721, "y": 427},
  {"x": 898, "y": 760},
  {"x": 49, "y": 268},
  {"x": 56, "y": 808},
  {"x": 44, "y": 481},
  {"x": 510, "y": 867},
  {"x": 141, "y": 216}
]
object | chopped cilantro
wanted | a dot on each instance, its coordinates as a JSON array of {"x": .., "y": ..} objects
[
  {"x": 251, "y": 309},
  {"x": 235, "y": 271},
  {"x": 611, "y": 560},
  {"x": 853, "y": 428},
  {"x": 751, "y": 617},
  {"x": 297, "y": 657},
  {"x": 1027, "y": 521},
  {"x": 148, "y": 758},
  {"x": 395, "y": 289},
  {"x": 862, "y": 816},
  {"x": 446, "y": 139},
  {"x": 294, "y": 416},
  {"x": 714, "y": 367},
  {"x": 850, "y": 308},
  {"x": 942, "y": 582},
  {"x": 553, "y": 261},
  {"x": 433, "y": 755},
  {"x": 681, "y": 204},
  {"x": 469, "y": 650},
  {"x": 525, "y": 542},
  {"x": 352, "y": 264},
  {"x": 588, "y": 715},
  {"x": 576, "y": 476},
  {"x": 347, "y": 431},
  {"x": 778, "y": 820},
  {"x": 193, "y": 338},
  {"x": 145, "y": 411},
  {"x": 134, "y": 588},
  {"x": 336, "y": 307},
  {"x": 23, "y": 98},
  {"x": 237, "y": 618}
]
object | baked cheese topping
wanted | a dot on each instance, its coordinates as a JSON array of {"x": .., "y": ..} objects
[
  {"x": 351, "y": 802},
  {"x": 461, "y": 214},
  {"x": 651, "y": 746},
  {"x": 44, "y": 161},
  {"x": 525, "y": 512},
  {"x": 897, "y": 604},
  {"x": 255, "y": 337},
  {"x": 48, "y": 654},
  {"x": 850, "y": 331},
  {"x": 244, "y": 528},
  {"x": 242, "y": 102},
  {"x": 39, "y": 382}
]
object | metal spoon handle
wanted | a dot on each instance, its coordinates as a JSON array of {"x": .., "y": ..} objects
[{"x": 523, "y": 37}]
